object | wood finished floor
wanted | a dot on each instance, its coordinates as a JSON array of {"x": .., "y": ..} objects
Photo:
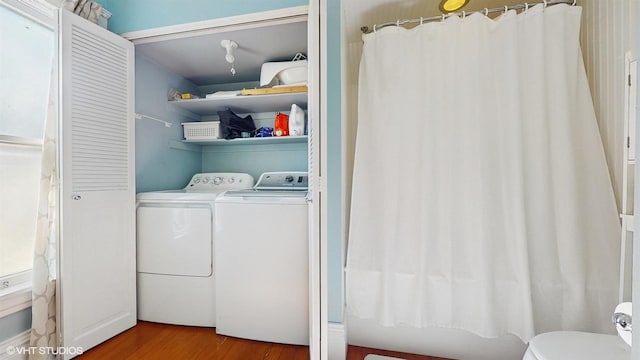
[{"x": 159, "y": 341}]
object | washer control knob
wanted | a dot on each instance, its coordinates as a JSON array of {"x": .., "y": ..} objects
[
  {"x": 288, "y": 179},
  {"x": 205, "y": 180},
  {"x": 231, "y": 180},
  {"x": 217, "y": 180},
  {"x": 196, "y": 181}
]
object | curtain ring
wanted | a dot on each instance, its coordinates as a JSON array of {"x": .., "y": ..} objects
[
  {"x": 398, "y": 23},
  {"x": 486, "y": 12},
  {"x": 526, "y": 7},
  {"x": 506, "y": 9},
  {"x": 420, "y": 20},
  {"x": 374, "y": 27},
  {"x": 464, "y": 15},
  {"x": 574, "y": 3},
  {"x": 545, "y": 3},
  {"x": 442, "y": 17}
]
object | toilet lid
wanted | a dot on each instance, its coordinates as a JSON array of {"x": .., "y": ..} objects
[{"x": 569, "y": 345}]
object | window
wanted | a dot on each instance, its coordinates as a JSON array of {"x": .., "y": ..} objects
[{"x": 25, "y": 66}]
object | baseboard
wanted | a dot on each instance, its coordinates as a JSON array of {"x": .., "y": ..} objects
[
  {"x": 7, "y": 347},
  {"x": 337, "y": 341}
]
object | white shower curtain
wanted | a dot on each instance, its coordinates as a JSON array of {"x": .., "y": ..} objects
[{"x": 481, "y": 198}]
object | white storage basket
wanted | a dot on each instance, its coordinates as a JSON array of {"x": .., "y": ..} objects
[{"x": 204, "y": 130}]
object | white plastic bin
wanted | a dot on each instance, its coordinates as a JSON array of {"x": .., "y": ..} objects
[{"x": 203, "y": 130}]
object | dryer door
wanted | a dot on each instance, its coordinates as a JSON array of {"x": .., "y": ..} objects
[{"x": 175, "y": 239}]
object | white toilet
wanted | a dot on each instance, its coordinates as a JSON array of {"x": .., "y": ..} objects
[{"x": 575, "y": 345}]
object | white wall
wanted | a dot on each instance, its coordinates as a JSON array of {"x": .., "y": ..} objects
[{"x": 608, "y": 32}]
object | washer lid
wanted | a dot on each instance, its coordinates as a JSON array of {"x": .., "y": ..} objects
[
  {"x": 569, "y": 345},
  {"x": 181, "y": 195}
]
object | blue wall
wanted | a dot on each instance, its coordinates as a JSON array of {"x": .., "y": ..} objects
[
  {"x": 146, "y": 14},
  {"x": 255, "y": 159},
  {"x": 162, "y": 161}
]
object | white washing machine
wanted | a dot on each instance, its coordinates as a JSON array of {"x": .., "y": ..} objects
[
  {"x": 175, "y": 244},
  {"x": 262, "y": 260}
]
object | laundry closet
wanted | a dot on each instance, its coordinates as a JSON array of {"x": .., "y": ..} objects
[
  {"x": 100, "y": 182},
  {"x": 197, "y": 265}
]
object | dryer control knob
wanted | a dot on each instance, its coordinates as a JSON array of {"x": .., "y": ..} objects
[
  {"x": 196, "y": 180},
  {"x": 288, "y": 179},
  {"x": 217, "y": 180},
  {"x": 231, "y": 180},
  {"x": 205, "y": 180}
]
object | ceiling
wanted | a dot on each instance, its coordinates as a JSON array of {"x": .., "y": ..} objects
[
  {"x": 358, "y": 13},
  {"x": 201, "y": 59}
]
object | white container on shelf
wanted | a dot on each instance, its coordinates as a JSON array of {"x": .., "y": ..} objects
[
  {"x": 296, "y": 121},
  {"x": 286, "y": 72},
  {"x": 203, "y": 130}
]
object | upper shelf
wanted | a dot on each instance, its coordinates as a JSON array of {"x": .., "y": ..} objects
[
  {"x": 252, "y": 141},
  {"x": 244, "y": 104}
]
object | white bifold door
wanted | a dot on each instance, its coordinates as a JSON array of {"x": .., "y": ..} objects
[{"x": 96, "y": 282}]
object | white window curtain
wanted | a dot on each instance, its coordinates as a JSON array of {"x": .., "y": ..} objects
[
  {"x": 43, "y": 323},
  {"x": 481, "y": 198}
]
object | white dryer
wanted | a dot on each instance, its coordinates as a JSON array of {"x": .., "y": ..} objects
[
  {"x": 175, "y": 245},
  {"x": 262, "y": 260}
]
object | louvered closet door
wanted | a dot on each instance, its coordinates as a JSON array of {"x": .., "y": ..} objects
[{"x": 97, "y": 290}]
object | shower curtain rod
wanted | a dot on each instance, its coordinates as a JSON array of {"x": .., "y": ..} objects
[{"x": 486, "y": 11}]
